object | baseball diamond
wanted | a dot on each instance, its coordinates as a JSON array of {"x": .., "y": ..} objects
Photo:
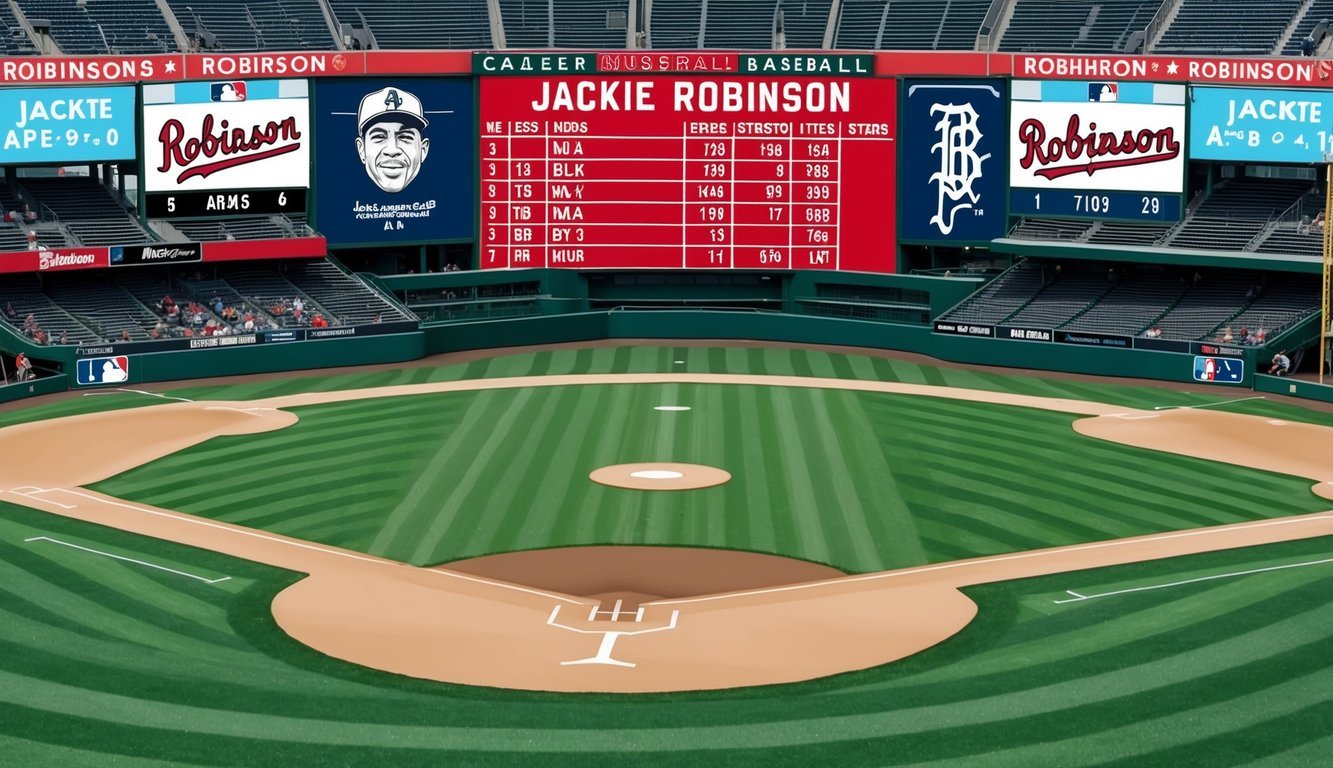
[{"x": 1048, "y": 563}]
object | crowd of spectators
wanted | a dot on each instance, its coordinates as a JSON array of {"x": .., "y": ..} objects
[
  {"x": 220, "y": 318},
  {"x": 32, "y": 328}
]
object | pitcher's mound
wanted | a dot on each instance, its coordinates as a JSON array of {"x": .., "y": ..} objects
[{"x": 643, "y": 573}]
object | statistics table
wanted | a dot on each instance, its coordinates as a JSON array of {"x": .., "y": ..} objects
[{"x": 687, "y": 172}]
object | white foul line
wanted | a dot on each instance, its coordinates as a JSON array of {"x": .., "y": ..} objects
[
  {"x": 1078, "y": 597},
  {"x": 243, "y": 531},
  {"x": 138, "y": 392},
  {"x": 127, "y": 559},
  {"x": 1207, "y": 405}
]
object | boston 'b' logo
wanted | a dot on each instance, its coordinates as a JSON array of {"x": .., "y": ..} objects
[
  {"x": 960, "y": 165},
  {"x": 393, "y": 101}
]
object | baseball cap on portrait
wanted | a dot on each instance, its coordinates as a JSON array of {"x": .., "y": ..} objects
[{"x": 390, "y": 104}]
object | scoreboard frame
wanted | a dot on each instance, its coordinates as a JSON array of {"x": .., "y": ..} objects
[{"x": 843, "y": 218}]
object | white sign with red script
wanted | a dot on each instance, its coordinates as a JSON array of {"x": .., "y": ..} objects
[
  {"x": 226, "y": 134},
  {"x": 1097, "y": 145}
]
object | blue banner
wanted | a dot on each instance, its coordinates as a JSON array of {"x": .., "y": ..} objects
[
  {"x": 1260, "y": 124},
  {"x": 67, "y": 125},
  {"x": 394, "y": 160},
  {"x": 951, "y": 169}
]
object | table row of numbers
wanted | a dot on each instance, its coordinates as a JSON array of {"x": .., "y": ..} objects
[{"x": 660, "y": 257}]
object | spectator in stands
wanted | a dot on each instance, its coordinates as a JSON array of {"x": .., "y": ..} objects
[
  {"x": 33, "y": 245},
  {"x": 1307, "y": 46},
  {"x": 1317, "y": 226},
  {"x": 1153, "y": 333},
  {"x": 1259, "y": 335},
  {"x": 23, "y": 367},
  {"x": 1227, "y": 335},
  {"x": 377, "y": 318},
  {"x": 29, "y": 215},
  {"x": 1303, "y": 228},
  {"x": 298, "y": 305},
  {"x": 319, "y": 322},
  {"x": 64, "y": 338},
  {"x": 40, "y": 337},
  {"x": 30, "y": 324},
  {"x": 1281, "y": 364},
  {"x": 216, "y": 304},
  {"x": 124, "y": 334},
  {"x": 166, "y": 301},
  {"x": 9, "y": 311},
  {"x": 1244, "y": 337},
  {"x": 230, "y": 314}
]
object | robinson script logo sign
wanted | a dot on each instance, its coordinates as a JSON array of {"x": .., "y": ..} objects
[
  {"x": 47, "y": 260},
  {"x": 215, "y": 145},
  {"x": 1088, "y": 151}
]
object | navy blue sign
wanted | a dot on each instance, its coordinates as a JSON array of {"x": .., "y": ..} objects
[
  {"x": 394, "y": 160},
  {"x": 953, "y": 161}
]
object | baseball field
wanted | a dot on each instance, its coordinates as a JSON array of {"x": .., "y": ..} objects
[{"x": 126, "y": 649}]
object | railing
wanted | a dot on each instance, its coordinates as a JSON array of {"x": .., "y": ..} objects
[
  {"x": 988, "y": 22},
  {"x": 1153, "y": 31}
]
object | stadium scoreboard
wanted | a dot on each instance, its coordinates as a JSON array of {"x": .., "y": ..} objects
[{"x": 709, "y": 171}]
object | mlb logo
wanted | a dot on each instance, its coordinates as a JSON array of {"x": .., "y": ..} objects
[
  {"x": 1103, "y": 92},
  {"x": 117, "y": 254},
  {"x": 229, "y": 91},
  {"x": 104, "y": 370}
]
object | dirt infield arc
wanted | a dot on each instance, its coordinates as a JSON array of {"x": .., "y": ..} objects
[{"x": 443, "y": 624}]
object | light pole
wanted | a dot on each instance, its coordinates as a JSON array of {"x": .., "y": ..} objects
[{"x": 1325, "y": 332}]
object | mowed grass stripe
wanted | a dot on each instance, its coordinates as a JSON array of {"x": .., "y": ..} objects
[
  {"x": 507, "y": 504},
  {"x": 451, "y": 476},
  {"x": 483, "y": 411}
]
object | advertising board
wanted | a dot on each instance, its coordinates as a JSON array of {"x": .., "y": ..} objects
[
  {"x": 952, "y": 161},
  {"x": 394, "y": 162},
  {"x": 1106, "y": 150},
  {"x": 210, "y": 148},
  {"x": 1265, "y": 125},
  {"x": 66, "y": 125}
]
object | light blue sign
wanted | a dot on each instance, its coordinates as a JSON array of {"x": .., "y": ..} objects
[
  {"x": 67, "y": 125},
  {"x": 1265, "y": 125}
]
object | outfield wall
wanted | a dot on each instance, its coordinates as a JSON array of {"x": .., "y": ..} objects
[{"x": 891, "y": 312}]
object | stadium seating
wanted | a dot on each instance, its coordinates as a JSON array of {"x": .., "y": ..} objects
[
  {"x": 24, "y": 292},
  {"x": 1059, "y": 25},
  {"x": 1318, "y": 11},
  {"x": 910, "y": 24},
  {"x": 1206, "y": 304},
  {"x": 1131, "y": 306},
  {"x": 1000, "y": 297},
  {"x": 14, "y": 40},
  {"x": 461, "y": 24},
  {"x": 1127, "y": 233},
  {"x": 567, "y": 24},
  {"x": 85, "y": 209},
  {"x": 243, "y": 228},
  {"x": 1283, "y": 300},
  {"x": 1242, "y": 27},
  {"x": 1289, "y": 238},
  {"x": 348, "y": 300},
  {"x": 744, "y": 24},
  {"x": 255, "y": 25},
  {"x": 1237, "y": 212},
  {"x": 804, "y": 22},
  {"x": 104, "y": 26},
  {"x": 104, "y": 307},
  {"x": 1073, "y": 230},
  {"x": 676, "y": 24},
  {"x": 1063, "y": 298}
]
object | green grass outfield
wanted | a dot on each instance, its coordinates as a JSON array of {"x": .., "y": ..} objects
[{"x": 104, "y": 662}]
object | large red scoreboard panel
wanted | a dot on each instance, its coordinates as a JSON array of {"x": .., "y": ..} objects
[{"x": 688, "y": 171}]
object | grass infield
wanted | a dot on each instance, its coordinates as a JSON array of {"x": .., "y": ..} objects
[{"x": 104, "y": 662}]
